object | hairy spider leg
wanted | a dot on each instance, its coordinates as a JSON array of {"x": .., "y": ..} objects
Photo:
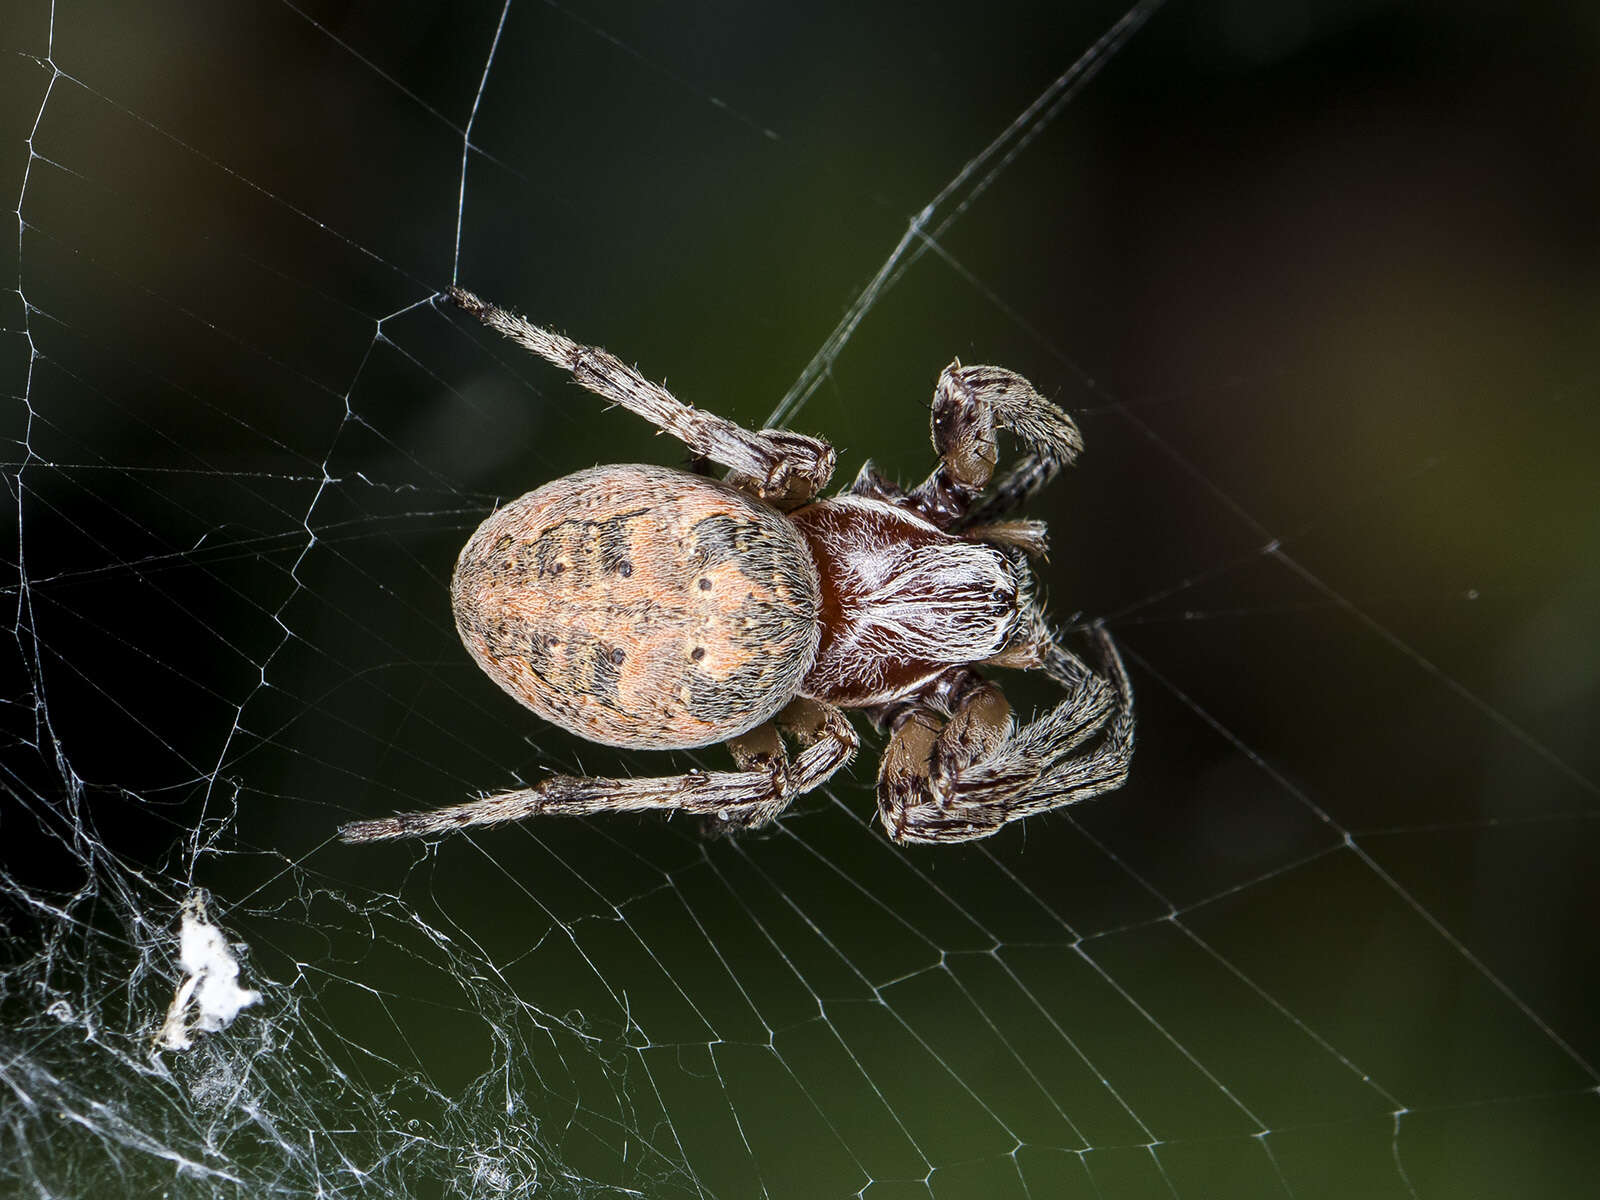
[
  {"x": 783, "y": 468},
  {"x": 969, "y": 405},
  {"x": 973, "y": 774},
  {"x": 743, "y": 799}
]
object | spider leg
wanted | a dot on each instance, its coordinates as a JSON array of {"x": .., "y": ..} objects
[
  {"x": 1031, "y": 537},
  {"x": 874, "y": 485},
  {"x": 826, "y": 743},
  {"x": 736, "y": 799},
  {"x": 975, "y": 775},
  {"x": 1029, "y": 475},
  {"x": 924, "y": 754},
  {"x": 1028, "y": 536},
  {"x": 969, "y": 405},
  {"x": 783, "y": 468}
]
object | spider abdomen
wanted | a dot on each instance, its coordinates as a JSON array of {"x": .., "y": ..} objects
[{"x": 640, "y": 606}]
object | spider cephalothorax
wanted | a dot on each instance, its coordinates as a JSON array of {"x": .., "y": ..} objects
[{"x": 652, "y": 608}]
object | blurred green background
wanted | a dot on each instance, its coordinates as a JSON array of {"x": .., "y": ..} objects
[{"x": 1318, "y": 281}]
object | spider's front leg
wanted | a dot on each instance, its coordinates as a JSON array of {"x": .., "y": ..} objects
[
  {"x": 975, "y": 775},
  {"x": 925, "y": 754},
  {"x": 969, "y": 405},
  {"x": 743, "y": 799},
  {"x": 785, "y": 469}
]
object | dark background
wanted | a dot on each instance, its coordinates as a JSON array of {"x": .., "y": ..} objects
[{"x": 1318, "y": 280}]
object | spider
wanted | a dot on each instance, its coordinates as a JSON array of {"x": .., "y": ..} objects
[{"x": 651, "y": 608}]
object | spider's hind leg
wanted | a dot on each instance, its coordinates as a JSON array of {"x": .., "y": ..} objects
[
  {"x": 740, "y": 799},
  {"x": 826, "y": 743}
]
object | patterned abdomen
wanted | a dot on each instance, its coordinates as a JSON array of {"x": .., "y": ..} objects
[{"x": 640, "y": 606}]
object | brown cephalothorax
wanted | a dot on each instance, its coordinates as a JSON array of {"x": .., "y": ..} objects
[{"x": 650, "y": 608}]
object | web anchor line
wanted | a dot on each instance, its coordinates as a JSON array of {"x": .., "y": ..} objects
[{"x": 1001, "y": 152}]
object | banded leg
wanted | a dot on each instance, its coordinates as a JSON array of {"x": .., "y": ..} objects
[
  {"x": 826, "y": 741},
  {"x": 975, "y": 775},
  {"x": 923, "y": 755},
  {"x": 781, "y": 467},
  {"x": 1029, "y": 475},
  {"x": 969, "y": 405},
  {"x": 1030, "y": 537},
  {"x": 742, "y": 799}
]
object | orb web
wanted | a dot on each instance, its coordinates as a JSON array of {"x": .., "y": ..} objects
[{"x": 1311, "y": 280}]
